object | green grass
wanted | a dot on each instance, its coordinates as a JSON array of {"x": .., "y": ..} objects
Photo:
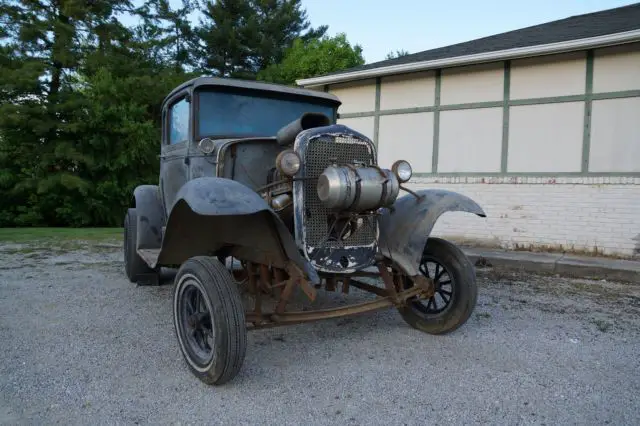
[{"x": 25, "y": 235}]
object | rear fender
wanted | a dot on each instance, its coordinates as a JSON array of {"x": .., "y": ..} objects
[
  {"x": 150, "y": 216},
  {"x": 214, "y": 215},
  {"x": 406, "y": 226}
]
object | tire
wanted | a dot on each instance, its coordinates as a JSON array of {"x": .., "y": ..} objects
[
  {"x": 425, "y": 315},
  {"x": 135, "y": 268},
  {"x": 218, "y": 357}
]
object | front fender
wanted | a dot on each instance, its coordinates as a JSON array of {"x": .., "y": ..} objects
[
  {"x": 405, "y": 227},
  {"x": 150, "y": 216},
  {"x": 213, "y": 215}
]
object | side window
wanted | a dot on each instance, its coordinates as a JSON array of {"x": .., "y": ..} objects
[{"x": 179, "y": 122}]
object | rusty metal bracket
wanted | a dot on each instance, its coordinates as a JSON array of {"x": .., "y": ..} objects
[
  {"x": 345, "y": 285},
  {"x": 276, "y": 319},
  {"x": 254, "y": 288},
  {"x": 369, "y": 288},
  {"x": 387, "y": 278},
  {"x": 425, "y": 284},
  {"x": 330, "y": 283},
  {"x": 286, "y": 295},
  {"x": 308, "y": 289}
]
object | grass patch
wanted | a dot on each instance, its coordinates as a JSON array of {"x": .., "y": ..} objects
[
  {"x": 26, "y": 235},
  {"x": 602, "y": 325}
]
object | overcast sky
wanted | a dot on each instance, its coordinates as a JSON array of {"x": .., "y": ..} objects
[{"x": 381, "y": 26}]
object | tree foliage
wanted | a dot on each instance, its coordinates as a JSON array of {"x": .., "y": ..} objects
[
  {"x": 397, "y": 54},
  {"x": 238, "y": 38},
  {"x": 307, "y": 58},
  {"x": 80, "y": 91}
]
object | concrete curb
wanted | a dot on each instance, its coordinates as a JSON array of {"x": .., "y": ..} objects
[{"x": 557, "y": 263}]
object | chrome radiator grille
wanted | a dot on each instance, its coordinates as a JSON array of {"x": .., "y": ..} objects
[{"x": 321, "y": 152}]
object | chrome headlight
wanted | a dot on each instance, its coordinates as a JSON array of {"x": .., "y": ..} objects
[
  {"x": 288, "y": 162},
  {"x": 402, "y": 169}
]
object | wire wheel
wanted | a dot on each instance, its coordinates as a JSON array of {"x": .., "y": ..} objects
[
  {"x": 455, "y": 292},
  {"x": 444, "y": 287}
]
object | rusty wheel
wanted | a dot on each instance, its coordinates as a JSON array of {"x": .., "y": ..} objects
[{"x": 455, "y": 289}]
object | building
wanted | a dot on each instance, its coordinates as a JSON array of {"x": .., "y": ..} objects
[{"x": 540, "y": 125}]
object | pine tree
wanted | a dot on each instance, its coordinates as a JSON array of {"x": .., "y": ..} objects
[
  {"x": 279, "y": 23},
  {"x": 81, "y": 93},
  {"x": 238, "y": 38},
  {"x": 225, "y": 33},
  {"x": 168, "y": 33}
]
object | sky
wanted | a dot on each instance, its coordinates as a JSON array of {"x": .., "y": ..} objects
[{"x": 382, "y": 26}]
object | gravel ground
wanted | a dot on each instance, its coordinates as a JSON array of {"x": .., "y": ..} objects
[{"x": 81, "y": 345}]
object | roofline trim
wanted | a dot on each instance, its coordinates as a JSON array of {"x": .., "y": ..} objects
[{"x": 496, "y": 55}]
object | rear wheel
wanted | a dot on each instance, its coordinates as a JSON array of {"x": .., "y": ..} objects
[
  {"x": 209, "y": 320},
  {"x": 136, "y": 269},
  {"x": 455, "y": 289}
]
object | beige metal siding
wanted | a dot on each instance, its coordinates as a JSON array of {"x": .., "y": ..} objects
[
  {"x": 615, "y": 136},
  {"x": 617, "y": 68},
  {"x": 406, "y": 137},
  {"x": 407, "y": 91},
  {"x": 478, "y": 83},
  {"x": 356, "y": 97},
  {"x": 556, "y": 75},
  {"x": 363, "y": 125},
  {"x": 546, "y": 138},
  {"x": 470, "y": 140}
]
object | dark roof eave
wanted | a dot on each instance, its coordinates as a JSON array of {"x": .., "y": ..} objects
[{"x": 492, "y": 56}]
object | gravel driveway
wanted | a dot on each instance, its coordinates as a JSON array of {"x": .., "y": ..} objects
[{"x": 81, "y": 345}]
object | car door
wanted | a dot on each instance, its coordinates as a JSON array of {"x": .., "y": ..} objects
[{"x": 174, "y": 160}]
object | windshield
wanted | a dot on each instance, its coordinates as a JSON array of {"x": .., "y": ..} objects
[{"x": 234, "y": 114}]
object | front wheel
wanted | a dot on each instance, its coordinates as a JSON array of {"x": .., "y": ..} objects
[
  {"x": 455, "y": 289},
  {"x": 209, "y": 320}
]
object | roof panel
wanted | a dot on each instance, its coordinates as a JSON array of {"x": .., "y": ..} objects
[{"x": 610, "y": 21}]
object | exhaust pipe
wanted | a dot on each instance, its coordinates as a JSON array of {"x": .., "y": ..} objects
[{"x": 287, "y": 135}]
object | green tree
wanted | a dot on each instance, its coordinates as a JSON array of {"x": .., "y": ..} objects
[
  {"x": 314, "y": 57},
  {"x": 55, "y": 162},
  {"x": 397, "y": 54},
  {"x": 81, "y": 93},
  {"x": 224, "y": 35},
  {"x": 238, "y": 38},
  {"x": 167, "y": 33},
  {"x": 41, "y": 44},
  {"x": 280, "y": 23}
]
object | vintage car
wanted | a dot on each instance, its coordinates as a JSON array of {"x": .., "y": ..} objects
[{"x": 260, "y": 187}]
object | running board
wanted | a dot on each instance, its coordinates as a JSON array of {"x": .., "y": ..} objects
[{"x": 150, "y": 256}]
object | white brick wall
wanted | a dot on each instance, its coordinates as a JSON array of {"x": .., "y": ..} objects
[{"x": 594, "y": 214}]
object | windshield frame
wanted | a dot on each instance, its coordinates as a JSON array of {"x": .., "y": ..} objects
[{"x": 266, "y": 94}]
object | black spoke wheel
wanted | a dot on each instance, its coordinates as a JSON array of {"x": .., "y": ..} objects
[
  {"x": 430, "y": 267},
  {"x": 195, "y": 322},
  {"x": 209, "y": 320},
  {"x": 455, "y": 289}
]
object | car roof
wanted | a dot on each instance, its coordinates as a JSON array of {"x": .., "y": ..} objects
[{"x": 249, "y": 84}]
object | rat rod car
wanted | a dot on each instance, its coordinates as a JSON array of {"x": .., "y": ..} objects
[{"x": 261, "y": 176}]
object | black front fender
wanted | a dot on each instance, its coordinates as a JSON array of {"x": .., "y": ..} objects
[
  {"x": 405, "y": 228},
  {"x": 215, "y": 215}
]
